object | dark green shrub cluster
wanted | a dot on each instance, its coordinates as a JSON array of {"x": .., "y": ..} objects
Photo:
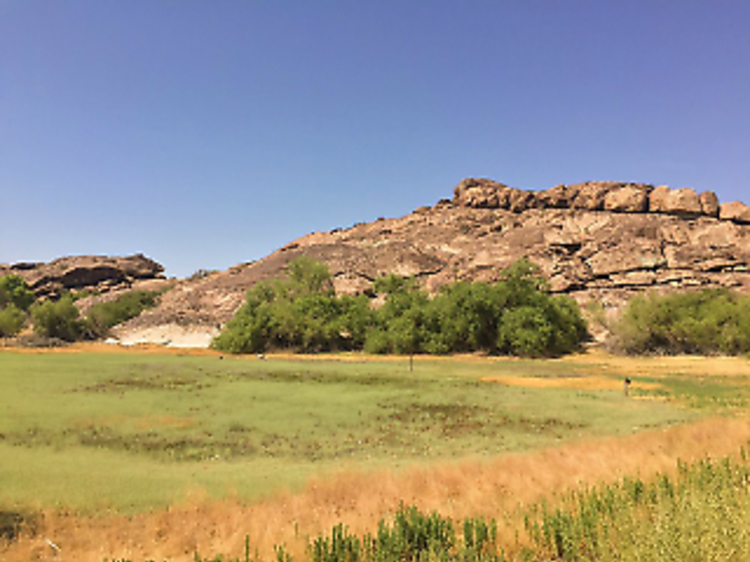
[
  {"x": 58, "y": 319},
  {"x": 103, "y": 316},
  {"x": 412, "y": 536},
  {"x": 707, "y": 322},
  {"x": 15, "y": 300},
  {"x": 300, "y": 312},
  {"x": 516, "y": 316}
]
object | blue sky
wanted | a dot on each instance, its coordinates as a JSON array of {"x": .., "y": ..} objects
[{"x": 208, "y": 133}]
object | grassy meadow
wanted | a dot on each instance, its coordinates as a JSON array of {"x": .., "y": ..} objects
[{"x": 285, "y": 447}]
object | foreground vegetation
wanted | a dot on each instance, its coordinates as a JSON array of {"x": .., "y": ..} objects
[
  {"x": 516, "y": 316},
  {"x": 700, "y": 514},
  {"x": 151, "y": 428}
]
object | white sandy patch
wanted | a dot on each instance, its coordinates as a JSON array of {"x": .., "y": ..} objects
[{"x": 170, "y": 335}]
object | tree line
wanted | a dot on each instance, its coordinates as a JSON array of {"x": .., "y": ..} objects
[{"x": 515, "y": 316}]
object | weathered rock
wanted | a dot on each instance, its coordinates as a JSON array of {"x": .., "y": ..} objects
[
  {"x": 709, "y": 203},
  {"x": 93, "y": 273},
  {"x": 735, "y": 212},
  {"x": 684, "y": 202},
  {"x": 520, "y": 200},
  {"x": 558, "y": 197},
  {"x": 634, "y": 256},
  {"x": 590, "y": 195},
  {"x": 481, "y": 193},
  {"x": 627, "y": 199}
]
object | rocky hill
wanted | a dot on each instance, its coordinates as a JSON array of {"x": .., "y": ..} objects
[{"x": 600, "y": 241}]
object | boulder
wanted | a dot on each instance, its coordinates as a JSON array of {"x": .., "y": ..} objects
[
  {"x": 520, "y": 200},
  {"x": 709, "y": 203},
  {"x": 590, "y": 195},
  {"x": 735, "y": 212},
  {"x": 627, "y": 199},
  {"x": 558, "y": 197},
  {"x": 480, "y": 193},
  {"x": 683, "y": 202}
]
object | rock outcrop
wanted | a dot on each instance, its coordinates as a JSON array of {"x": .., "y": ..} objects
[
  {"x": 609, "y": 196},
  {"x": 98, "y": 274},
  {"x": 735, "y": 212},
  {"x": 596, "y": 241}
]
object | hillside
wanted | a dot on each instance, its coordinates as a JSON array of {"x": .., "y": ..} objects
[{"x": 602, "y": 241}]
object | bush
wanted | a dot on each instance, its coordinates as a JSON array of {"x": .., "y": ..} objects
[
  {"x": 14, "y": 291},
  {"x": 11, "y": 321},
  {"x": 704, "y": 322},
  {"x": 516, "y": 316},
  {"x": 59, "y": 319},
  {"x": 103, "y": 316}
]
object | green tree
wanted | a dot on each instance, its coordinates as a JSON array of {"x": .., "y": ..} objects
[
  {"x": 12, "y": 320},
  {"x": 15, "y": 291},
  {"x": 309, "y": 277},
  {"x": 515, "y": 316},
  {"x": 59, "y": 319},
  {"x": 704, "y": 322}
]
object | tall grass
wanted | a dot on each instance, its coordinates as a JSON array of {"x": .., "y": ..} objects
[
  {"x": 701, "y": 513},
  {"x": 501, "y": 489}
]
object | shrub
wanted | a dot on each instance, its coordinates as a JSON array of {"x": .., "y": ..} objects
[
  {"x": 103, "y": 316},
  {"x": 11, "y": 321},
  {"x": 59, "y": 319},
  {"x": 704, "y": 322},
  {"x": 14, "y": 291},
  {"x": 516, "y": 316}
]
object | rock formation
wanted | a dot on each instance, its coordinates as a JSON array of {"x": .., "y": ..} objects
[
  {"x": 596, "y": 241},
  {"x": 98, "y": 274}
]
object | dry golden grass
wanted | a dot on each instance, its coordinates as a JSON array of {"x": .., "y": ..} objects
[
  {"x": 498, "y": 488},
  {"x": 661, "y": 366},
  {"x": 591, "y": 382}
]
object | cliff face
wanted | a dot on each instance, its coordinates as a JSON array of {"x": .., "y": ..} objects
[{"x": 601, "y": 241}]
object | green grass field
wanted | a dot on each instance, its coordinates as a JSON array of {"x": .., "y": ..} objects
[{"x": 129, "y": 431}]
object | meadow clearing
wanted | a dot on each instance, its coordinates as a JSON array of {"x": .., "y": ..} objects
[{"x": 146, "y": 454}]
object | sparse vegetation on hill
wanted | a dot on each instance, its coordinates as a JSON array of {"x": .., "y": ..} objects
[
  {"x": 516, "y": 316},
  {"x": 706, "y": 322},
  {"x": 103, "y": 316},
  {"x": 62, "y": 320}
]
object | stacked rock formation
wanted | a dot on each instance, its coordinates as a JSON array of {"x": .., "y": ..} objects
[{"x": 616, "y": 197}]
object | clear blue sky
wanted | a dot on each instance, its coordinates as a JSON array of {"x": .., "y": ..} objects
[{"x": 208, "y": 133}]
